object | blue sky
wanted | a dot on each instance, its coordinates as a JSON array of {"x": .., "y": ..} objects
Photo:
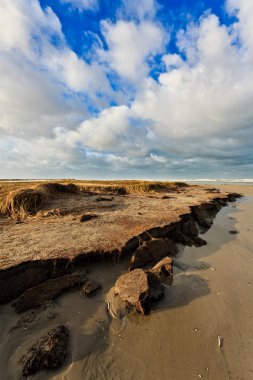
[{"x": 126, "y": 89}]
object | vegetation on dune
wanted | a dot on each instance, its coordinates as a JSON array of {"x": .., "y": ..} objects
[
  {"x": 103, "y": 188},
  {"x": 19, "y": 200},
  {"x": 21, "y": 203},
  {"x": 125, "y": 187},
  {"x": 55, "y": 187}
]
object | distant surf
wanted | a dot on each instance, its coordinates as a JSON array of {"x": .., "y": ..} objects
[{"x": 220, "y": 181}]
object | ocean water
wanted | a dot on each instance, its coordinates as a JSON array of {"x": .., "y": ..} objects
[{"x": 220, "y": 181}]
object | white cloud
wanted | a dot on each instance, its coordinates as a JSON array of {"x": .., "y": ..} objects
[
  {"x": 243, "y": 29},
  {"x": 75, "y": 73},
  {"x": 196, "y": 117},
  {"x": 204, "y": 96},
  {"x": 130, "y": 45},
  {"x": 23, "y": 24},
  {"x": 172, "y": 61},
  {"x": 157, "y": 158},
  {"x": 31, "y": 104},
  {"x": 82, "y": 5},
  {"x": 42, "y": 80},
  {"x": 107, "y": 132},
  {"x": 113, "y": 130}
]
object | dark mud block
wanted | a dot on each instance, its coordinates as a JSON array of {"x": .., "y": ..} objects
[{"x": 49, "y": 352}]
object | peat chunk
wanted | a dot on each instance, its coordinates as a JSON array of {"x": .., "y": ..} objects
[
  {"x": 156, "y": 289},
  {"x": 49, "y": 352},
  {"x": 152, "y": 251},
  {"x": 199, "y": 242},
  {"x": 232, "y": 197},
  {"x": 164, "y": 267},
  {"x": 138, "y": 289},
  {"x": 91, "y": 287},
  {"x": 179, "y": 237},
  {"x": 87, "y": 217},
  {"x": 222, "y": 201},
  {"x": 103, "y": 199},
  {"x": 200, "y": 215},
  {"x": 213, "y": 190},
  {"x": 189, "y": 228},
  {"x": 48, "y": 290}
]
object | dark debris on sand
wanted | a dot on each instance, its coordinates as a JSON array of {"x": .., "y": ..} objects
[{"x": 49, "y": 352}]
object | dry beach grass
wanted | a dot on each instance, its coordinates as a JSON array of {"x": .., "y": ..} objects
[
  {"x": 49, "y": 214},
  {"x": 19, "y": 200}
]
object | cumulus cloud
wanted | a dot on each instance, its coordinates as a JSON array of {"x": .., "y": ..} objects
[
  {"x": 31, "y": 103},
  {"x": 75, "y": 73},
  {"x": 114, "y": 131},
  {"x": 130, "y": 45},
  {"x": 207, "y": 94},
  {"x": 42, "y": 80},
  {"x": 24, "y": 25},
  {"x": 172, "y": 61}
]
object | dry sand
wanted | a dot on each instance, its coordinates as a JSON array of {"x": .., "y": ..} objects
[{"x": 211, "y": 295}]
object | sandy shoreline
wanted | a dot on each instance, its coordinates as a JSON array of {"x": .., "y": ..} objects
[
  {"x": 210, "y": 296},
  {"x": 242, "y": 189}
]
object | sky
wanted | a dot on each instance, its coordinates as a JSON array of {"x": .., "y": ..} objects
[{"x": 147, "y": 89}]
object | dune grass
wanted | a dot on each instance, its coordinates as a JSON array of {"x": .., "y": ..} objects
[
  {"x": 55, "y": 187},
  {"x": 19, "y": 200},
  {"x": 129, "y": 186},
  {"x": 20, "y": 203}
]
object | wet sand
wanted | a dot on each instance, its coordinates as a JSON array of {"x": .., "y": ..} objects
[
  {"x": 86, "y": 318},
  {"x": 211, "y": 295}
]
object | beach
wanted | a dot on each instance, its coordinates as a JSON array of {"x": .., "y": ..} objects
[
  {"x": 202, "y": 328},
  {"x": 211, "y": 296},
  {"x": 126, "y": 190}
]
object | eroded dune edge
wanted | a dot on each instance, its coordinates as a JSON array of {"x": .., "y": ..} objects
[
  {"x": 18, "y": 278},
  {"x": 144, "y": 232}
]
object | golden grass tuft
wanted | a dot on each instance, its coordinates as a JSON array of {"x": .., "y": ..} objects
[
  {"x": 23, "y": 202},
  {"x": 146, "y": 187}
]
